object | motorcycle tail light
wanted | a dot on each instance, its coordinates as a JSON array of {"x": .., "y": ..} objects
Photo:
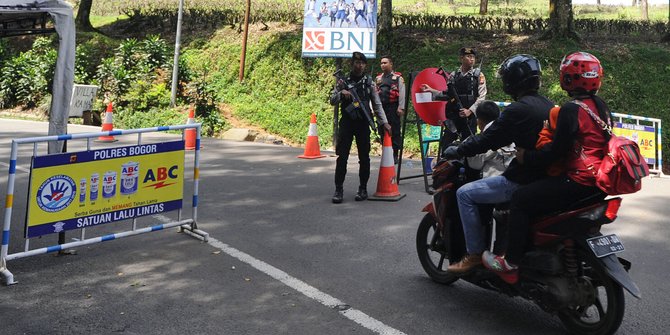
[
  {"x": 612, "y": 208},
  {"x": 593, "y": 214}
]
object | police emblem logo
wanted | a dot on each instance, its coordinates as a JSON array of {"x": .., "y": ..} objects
[
  {"x": 56, "y": 193},
  {"x": 356, "y": 104}
]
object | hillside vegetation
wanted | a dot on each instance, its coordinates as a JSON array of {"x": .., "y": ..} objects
[{"x": 281, "y": 89}]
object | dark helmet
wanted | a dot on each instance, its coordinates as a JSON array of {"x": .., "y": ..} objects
[{"x": 520, "y": 73}]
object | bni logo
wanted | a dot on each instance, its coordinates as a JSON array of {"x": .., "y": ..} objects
[
  {"x": 314, "y": 40},
  {"x": 56, "y": 193}
]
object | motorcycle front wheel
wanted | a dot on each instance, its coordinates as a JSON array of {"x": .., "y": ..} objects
[
  {"x": 432, "y": 252},
  {"x": 604, "y": 312}
]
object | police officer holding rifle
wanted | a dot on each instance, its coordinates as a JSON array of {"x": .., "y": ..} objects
[
  {"x": 354, "y": 94},
  {"x": 466, "y": 89}
]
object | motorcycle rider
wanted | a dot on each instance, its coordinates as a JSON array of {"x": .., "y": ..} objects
[
  {"x": 579, "y": 142},
  {"x": 519, "y": 123}
]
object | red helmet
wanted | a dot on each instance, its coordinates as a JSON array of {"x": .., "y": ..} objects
[{"x": 581, "y": 72}]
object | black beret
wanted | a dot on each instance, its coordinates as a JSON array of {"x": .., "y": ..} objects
[
  {"x": 467, "y": 51},
  {"x": 359, "y": 56}
]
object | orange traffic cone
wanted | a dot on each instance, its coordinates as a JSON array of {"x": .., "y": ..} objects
[
  {"x": 387, "y": 184},
  {"x": 312, "y": 147},
  {"x": 107, "y": 125},
  {"x": 189, "y": 134}
]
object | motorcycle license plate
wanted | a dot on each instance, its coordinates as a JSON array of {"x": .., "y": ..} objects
[{"x": 605, "y": 245}]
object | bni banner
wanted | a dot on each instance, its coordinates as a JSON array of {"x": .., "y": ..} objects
[
  {"x": 338, "y": 28},
  {"x": 83, "y": 189}
]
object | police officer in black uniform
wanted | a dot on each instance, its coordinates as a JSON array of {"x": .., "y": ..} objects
[
  {"x": 391, "y": 89},
  {"x": 466, "y": 85},
  {"x": 353, "y": 123}
]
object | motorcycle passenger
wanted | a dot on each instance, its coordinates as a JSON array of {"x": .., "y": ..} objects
[
  {"x": 578, "y": 140},
  {"x": 493, "y": 162},
  {"x": 519, "y": 123}
]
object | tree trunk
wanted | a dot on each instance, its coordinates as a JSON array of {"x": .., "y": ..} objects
[
  {"x": 644, "y": 7},
  {"x": 483, "y": 7},
  {"x": 598, "y": 2},
  {"x": 561, "y": 24},
  {"x": 634, "y": 3},
  {"x": 83, "y": 19},
  {"x": 386, "y": 17}
]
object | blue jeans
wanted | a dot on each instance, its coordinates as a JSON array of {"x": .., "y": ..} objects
[{"x": 491, "y": 190}]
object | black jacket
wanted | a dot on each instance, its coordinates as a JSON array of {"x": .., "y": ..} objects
[{"x": 519, "y": 123}]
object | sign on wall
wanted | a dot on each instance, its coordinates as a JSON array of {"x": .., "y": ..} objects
[
  {"x": 82, "y": 99},
  {"x": 83, "y": 189},
  {"x": 338, "y": 28}
]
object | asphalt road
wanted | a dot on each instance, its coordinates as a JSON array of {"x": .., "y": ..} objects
[{"x": 282, "y": 259}]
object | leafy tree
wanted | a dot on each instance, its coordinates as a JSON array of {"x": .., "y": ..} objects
[{"x": 83, "y": 19}]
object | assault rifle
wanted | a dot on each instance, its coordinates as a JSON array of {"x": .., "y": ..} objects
[
  {"x": 356, "y": 107},
  {"x": 451, "y": 92}
]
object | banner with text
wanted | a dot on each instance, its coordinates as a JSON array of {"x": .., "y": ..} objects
[
  {"x": 644, "y": 136},
  {"x": 340, "y": 27},
  {"x": 82, "y": 189}
]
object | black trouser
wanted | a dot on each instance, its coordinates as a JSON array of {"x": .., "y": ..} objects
[
  {"x": 391, "y": 111},
  {"x": 347, "y": 131},
  {"x": 541, "y": 197}
]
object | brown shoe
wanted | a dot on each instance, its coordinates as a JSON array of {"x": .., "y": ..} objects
[{"x": 466, "y": 264}]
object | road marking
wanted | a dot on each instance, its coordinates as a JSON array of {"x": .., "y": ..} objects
[
  {"x": 306, "y": 289},
  {"x": 302, "y": 287}
]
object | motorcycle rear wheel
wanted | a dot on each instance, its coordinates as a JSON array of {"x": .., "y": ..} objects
[
  {"x": 432, "y": 253},
  {"x": 604, "y": 315}
]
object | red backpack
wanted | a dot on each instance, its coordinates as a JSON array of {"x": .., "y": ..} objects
[{"x": 622, "y": 169}]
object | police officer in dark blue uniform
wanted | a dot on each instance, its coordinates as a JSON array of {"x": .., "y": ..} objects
[{"x": 354, "y": 123}]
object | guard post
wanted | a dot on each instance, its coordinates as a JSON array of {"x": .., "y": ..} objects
[{"x": 81, "y": 190}]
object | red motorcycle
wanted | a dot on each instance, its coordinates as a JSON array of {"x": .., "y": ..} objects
[{"x": 570, "y": 268}]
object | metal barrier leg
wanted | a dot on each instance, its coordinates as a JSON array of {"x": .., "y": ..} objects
[{"x": 9, "y": 277}]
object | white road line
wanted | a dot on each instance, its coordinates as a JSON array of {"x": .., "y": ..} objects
[{"x": 302, "y": 287}]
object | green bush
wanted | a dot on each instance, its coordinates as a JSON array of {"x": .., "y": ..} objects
[
  {"x": 26, "y": 78},
  {"x": 154, "y": 117}
]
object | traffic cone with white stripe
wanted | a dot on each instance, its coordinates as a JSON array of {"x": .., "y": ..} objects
[
  {"x": 107, "y": 125},
  {"x": 189, "y": 134},
  {"x": 312, "y": 146},
  {"x": 387, "y": 183}
]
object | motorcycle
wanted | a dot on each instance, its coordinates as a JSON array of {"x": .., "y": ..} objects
[{"x": 570, "y": 268}]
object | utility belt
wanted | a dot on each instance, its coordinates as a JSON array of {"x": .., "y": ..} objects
[{"x": 354, "y": 111}]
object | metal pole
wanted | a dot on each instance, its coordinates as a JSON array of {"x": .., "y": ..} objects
[
  {"x": 244, "y": 39},
  {"x": 177, "y": 45}
]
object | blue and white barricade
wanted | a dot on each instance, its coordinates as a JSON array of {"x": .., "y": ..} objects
[
  {"x": 646, "y": 132},
  {"x": 80, "y": 190}
]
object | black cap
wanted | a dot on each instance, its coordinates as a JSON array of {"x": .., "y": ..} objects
[
  {"x": 467, "y": 51},
  {"x": 359, "y": 56}
]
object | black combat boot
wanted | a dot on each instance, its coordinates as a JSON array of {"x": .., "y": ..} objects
[
  {"x": 338, "y": 196},
  {"x": 362, "y": 194}
]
